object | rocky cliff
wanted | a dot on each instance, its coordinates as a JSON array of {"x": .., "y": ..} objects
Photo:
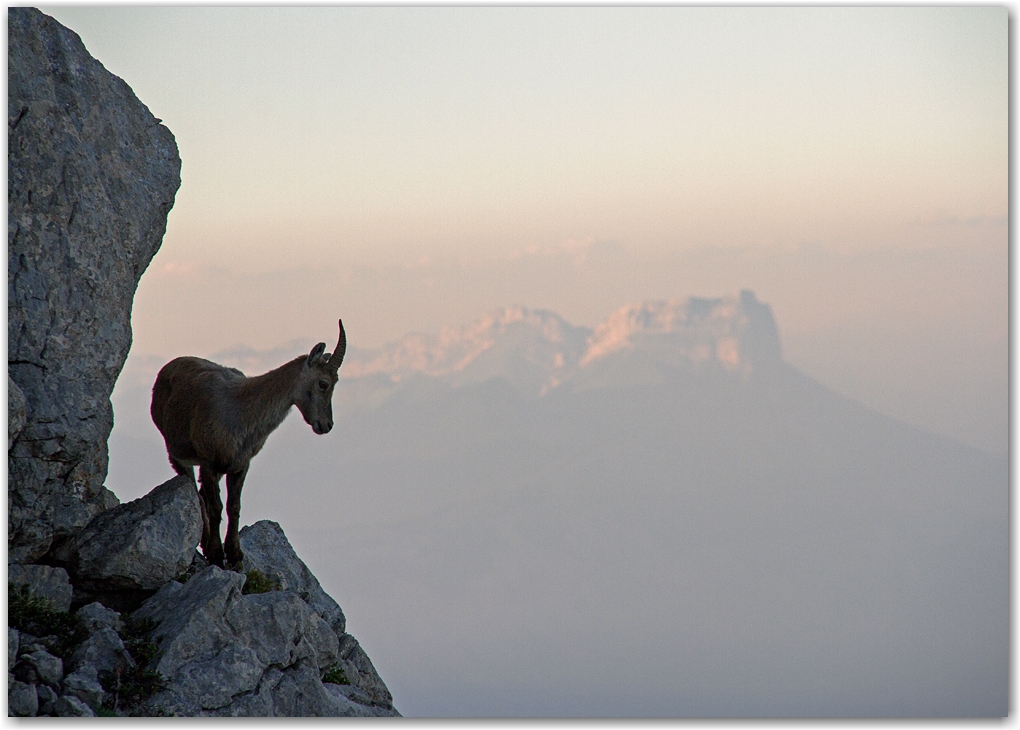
[
  {"x": 91, "y": 178},
  {"x": 157, "y": 631},
  {"x": 111, "y": 609}
]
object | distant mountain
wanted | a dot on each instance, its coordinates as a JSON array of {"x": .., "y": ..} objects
[
  {"x": 537, "y": 351},
  {"x": 654, "y": 517}
]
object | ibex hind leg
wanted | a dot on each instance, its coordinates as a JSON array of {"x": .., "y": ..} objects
[{"x": 212, "y": 509}]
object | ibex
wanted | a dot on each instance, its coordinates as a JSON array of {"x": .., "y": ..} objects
[{"x": 215, "y": 418}]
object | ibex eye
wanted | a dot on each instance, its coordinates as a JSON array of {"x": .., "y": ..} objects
[{"x": 323, "y": 385}]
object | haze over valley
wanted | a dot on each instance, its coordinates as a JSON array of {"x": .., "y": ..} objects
[{"x": 656, "y": 516}]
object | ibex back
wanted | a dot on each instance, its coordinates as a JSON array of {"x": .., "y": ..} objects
[{"x": 215, "y": 418}]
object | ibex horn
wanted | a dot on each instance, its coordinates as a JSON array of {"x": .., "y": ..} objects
[{"x": 338, "y": 352}]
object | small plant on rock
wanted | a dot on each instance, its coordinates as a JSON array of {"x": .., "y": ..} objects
[
  {"x": 127, "y": 689},
  {"x": 259, "y": 582},
  {"x": 60, "y": 630},
  {"x": 335, "y": 675}
]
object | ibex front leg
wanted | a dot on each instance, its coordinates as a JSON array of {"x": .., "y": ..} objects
[
  {"x": 209, "y": 494},
  {"x": 232, "y": 545}
]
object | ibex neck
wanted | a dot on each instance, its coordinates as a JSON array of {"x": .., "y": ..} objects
[{"x": 266, "y": 399}]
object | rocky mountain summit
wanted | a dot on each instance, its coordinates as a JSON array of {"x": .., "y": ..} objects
[
  {"x": 539, "y": 351},
  {"x": 111, "y": 610}
]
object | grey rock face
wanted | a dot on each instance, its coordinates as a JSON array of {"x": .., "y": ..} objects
[
  {"x": 216, "y": 643},
  {"x": 103, "y": 651},
  {"x": 47, "y": 696},
  {"x": 267, "y": 549},
  {"x": 44, "y": 582},
  {"x": 361, "y": 673},
  {"x": 22, "y": 700},
  {"x": 84, "y": 684},
  {"x": 12, "y": 647},
  {"x": 96, "y": 616},
  {"x": 91, "y": 178},
  {"x": 260, "y": 655},
  {"x": 15, "y": 412},
  {"x": 71, "y": 706},
  {"x": 42, "y": 666},
  {"x": 139, "y": 545}
]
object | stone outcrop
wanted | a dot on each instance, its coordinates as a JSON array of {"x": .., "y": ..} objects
[
  {"x": 219, "y": 650},
  {"x": 267, "y": 550},
  {"x": 137, "y": 546},
  {"x": 92, "y": 176},
  {"x": 43, "y": 581},
  {"x": 227, "y": 653}
]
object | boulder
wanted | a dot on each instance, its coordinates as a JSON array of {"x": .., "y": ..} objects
[
  {"x": 139, "y": 545},
  {"x": 92, "y": 176},
  {"x": 96, "y": 616},
  {"x": 40, "y": 666},
  {"x": 43, "y": 581},
  {"x": 84, "y": 684},
  {"x": 267, "y": 550},
  {"x": 361, "y": 673},
  {"x": 22, "y": 700},
  {"x": 103, "y": 651},
  {"x": 71, "y": 706},
  {"x": 47, "y": 696}
]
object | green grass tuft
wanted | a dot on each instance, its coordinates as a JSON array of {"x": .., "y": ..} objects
[
  {"x": 335, "y": 675},
  {"x": 127, "y": 690},
  {"x": 259, "y": 582},
  {"x": 37, "y": 616}
]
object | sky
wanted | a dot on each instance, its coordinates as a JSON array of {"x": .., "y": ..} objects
[{"x": 409, "y": 168}]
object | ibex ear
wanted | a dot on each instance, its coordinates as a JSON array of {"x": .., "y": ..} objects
[{"x": 315, "y": 354}]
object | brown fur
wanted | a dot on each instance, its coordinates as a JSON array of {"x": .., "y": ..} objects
[{"x": 215, "y": 418}]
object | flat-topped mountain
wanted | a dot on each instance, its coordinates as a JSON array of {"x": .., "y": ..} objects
[{"x": 538, "y": 351}]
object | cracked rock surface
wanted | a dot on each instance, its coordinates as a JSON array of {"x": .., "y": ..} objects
[
  {"x": 230, "y": 654},
  {"x": 92, "y": 176}
]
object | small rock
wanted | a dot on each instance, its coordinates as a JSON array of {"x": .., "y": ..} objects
[
  {"x": 84, "y": 684},
  {"x": 12, "y": 647},
  {"x": 104, "y": 651},
  {"x": 48, "y": 668},
  {"x": 47, "y": 696},
  {"x": 43, "y": 581},
  {"x": 22, "y": 700},
  {"x": 71, "y": 706},
  {"x": 96, "y": 616}
]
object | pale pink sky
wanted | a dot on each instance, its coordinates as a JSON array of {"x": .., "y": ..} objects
[{"x": 406, "y": 168}]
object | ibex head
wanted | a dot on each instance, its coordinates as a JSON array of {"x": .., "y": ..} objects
[{"x": 315, "y": 388}]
